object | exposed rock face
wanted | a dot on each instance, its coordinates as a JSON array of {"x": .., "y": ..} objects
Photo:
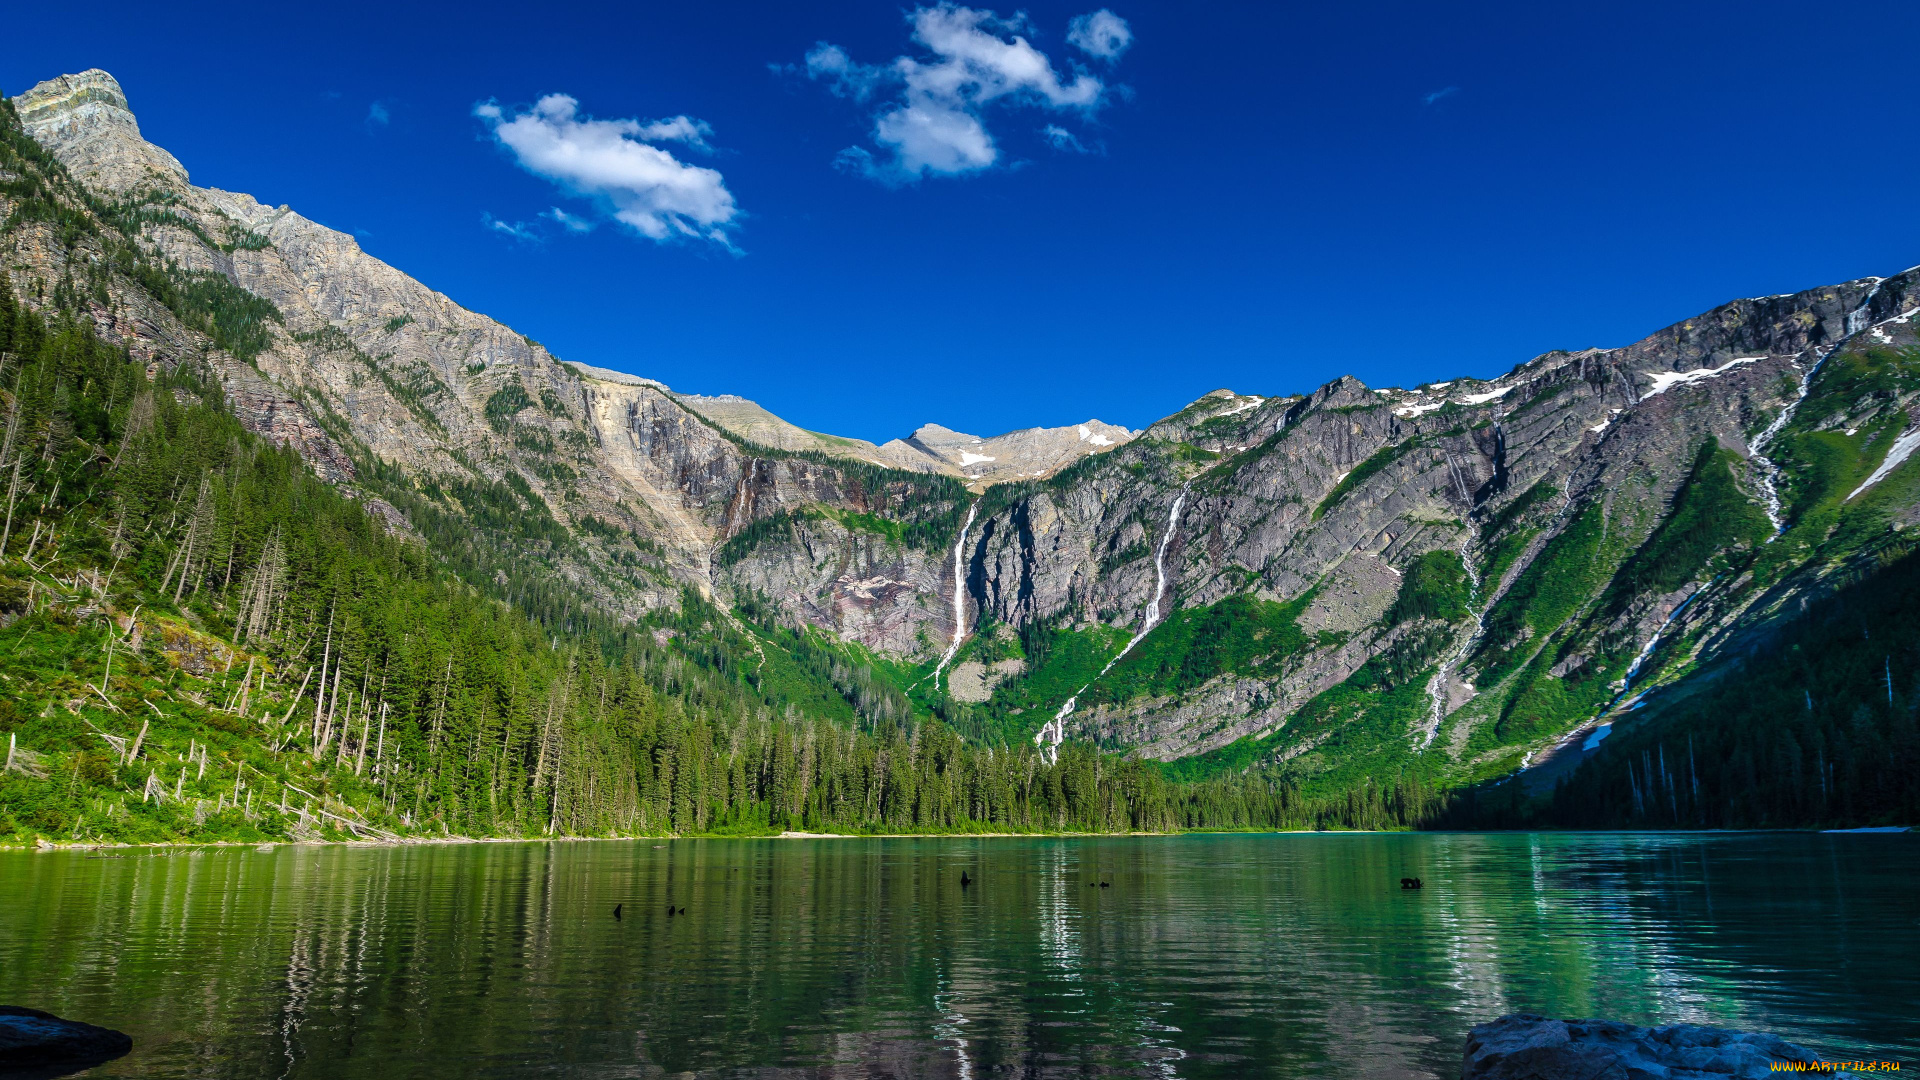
[
  {"x": 974, "y": 681},
  {"x": 1564, "y": 469},
  {"x": 1524, "y": 1047},
  {"x": 45, "y": 1043}
]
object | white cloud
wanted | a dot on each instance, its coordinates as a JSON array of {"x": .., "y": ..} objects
[
  {"x": 516, "y": 229},
  {"x": 1062, "y": 139},
  {"x": 614, "y": 163},
  {"x": 936, "y": 124},
  {"x": 1102, "y": 34},
  {"x": 567, "y": 221},
  {"x": 378, "y": 114}
]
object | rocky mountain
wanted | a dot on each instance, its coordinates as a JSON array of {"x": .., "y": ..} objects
[
  {"x": 1339, "y": 586},
  {"x": 1034, "y": 453}
]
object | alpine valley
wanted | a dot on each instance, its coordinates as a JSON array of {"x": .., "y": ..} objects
[{"x": 395, "y": 569}]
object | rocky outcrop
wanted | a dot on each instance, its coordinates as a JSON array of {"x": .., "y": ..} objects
[
  {"x": 1029, "y": 454},
  {"x": 1526, "y": 1047},
  {"x": 35, "y": 1043}
]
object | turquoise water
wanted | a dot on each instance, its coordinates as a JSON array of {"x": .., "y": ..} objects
[{"x": 1206, "y": 956}]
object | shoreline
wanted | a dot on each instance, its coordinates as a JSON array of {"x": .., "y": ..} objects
[{"x": 47, "y": 847}]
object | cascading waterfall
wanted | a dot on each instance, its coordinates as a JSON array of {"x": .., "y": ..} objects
[
  {"x": 1054, "y": 731},
  {"x": 1770, "y": 473},
  {"x": 959, "y": 596},
  {"x": 1633, "y": 669},
  {"x": 1438, "y": 690},
  {"x": 1596, "y": 732}
]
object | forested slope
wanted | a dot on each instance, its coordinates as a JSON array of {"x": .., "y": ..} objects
[{"x": 202, "y": 639}]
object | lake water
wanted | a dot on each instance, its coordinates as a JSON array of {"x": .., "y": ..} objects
[{"x": 1206, "y": 956}]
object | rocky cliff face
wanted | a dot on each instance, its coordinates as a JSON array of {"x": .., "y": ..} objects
[{"x": 1354, "y": 579}]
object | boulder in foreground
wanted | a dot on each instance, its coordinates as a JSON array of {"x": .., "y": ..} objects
[
  {"x": 46, "y": 1045},
  {"x": 1525, "y": 1047}
]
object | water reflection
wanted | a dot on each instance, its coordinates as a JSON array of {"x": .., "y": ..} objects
[{"x": 1209, "y": 956}]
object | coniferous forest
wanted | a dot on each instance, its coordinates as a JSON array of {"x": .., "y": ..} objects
[
  {"x": 1814, "y": 726},
  {"x": 204, "y": 641}
]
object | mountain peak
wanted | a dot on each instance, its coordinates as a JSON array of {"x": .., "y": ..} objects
[
  {"x": 66, "y": 93},
  {"x": 936, "y": 436},
  {"x": 86, "y": 121}
]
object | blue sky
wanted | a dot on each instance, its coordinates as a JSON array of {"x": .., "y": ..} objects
[{"x": 1260, "y": 197}]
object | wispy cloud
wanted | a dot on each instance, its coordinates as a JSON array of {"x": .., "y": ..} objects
[
  {"x": 1434, "y": 96},
  {"x": 614, "y": 164},
  {"x": 567, "y": 221},
  {"x": 933, "y": 120},
  {"x": 518, "y": 230},
  {"x": 1101, "y": 34},
  {"x": 1062, "y": 139},
  {"x": 377, "y": 114}
]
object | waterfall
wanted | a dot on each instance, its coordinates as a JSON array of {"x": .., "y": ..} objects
[
  {"x": 1653, "y": 643},
  {"x": 1770, "y": 473},
  {"x": 1596, "y": 732},
  {"x": 1438, "y": 690},
  {"x": 1159, "y": 574},
  {"x": 1054, "y": 732},
  {"x": 959, "y": 596}
]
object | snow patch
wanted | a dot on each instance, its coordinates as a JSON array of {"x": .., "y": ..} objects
[
  {"x": 1664, "y": 381},
  {"x": 1602, "y": 425},
  {"x": 1482, "y": 399},
  {"x": 967, "y": 459},
  {"x": 1416, "y": 410},
  {"x": 1902, "y": 449},
  {"x": 1253, "y": 402}
]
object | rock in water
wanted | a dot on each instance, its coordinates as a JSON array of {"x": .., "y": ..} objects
[
  {"x": 1524, "y": 1047},
  {"x": 31, "y": 1039}
]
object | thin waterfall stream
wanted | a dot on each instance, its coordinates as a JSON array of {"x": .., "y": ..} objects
[
  {"x": 1770, "y": 472},
  {"x": 1054, "y": 731},
  {"x": 1439, "y": 688},
  {"x": 959, "y": 595}
]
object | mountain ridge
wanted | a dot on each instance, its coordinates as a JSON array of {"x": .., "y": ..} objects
[{"x": 1341, "y": 585}]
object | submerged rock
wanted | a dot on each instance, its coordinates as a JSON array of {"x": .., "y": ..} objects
[
  {"x": 36, "y": 1043},
  {"x": 1524, "y": 1047}
]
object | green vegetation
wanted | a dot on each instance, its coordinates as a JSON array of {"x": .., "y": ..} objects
[
  {"x": 1363, "y": 472},
  {"x": 1815, "y": 729},
  {"x": 1240, "y": 634},
  {"x": 1434, "y": 587},
  {"x": 1347, "y": 738},
  {"x": 1711, "y": 519},
  {"x": 506, "y": 403},
  {"x": 1552, "y": 587},
  {"x": 394, "y": 324},
  {"x": 1505, "y": 536}
]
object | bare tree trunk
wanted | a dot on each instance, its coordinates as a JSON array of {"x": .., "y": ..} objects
[{"x": 6, "y": 451}]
